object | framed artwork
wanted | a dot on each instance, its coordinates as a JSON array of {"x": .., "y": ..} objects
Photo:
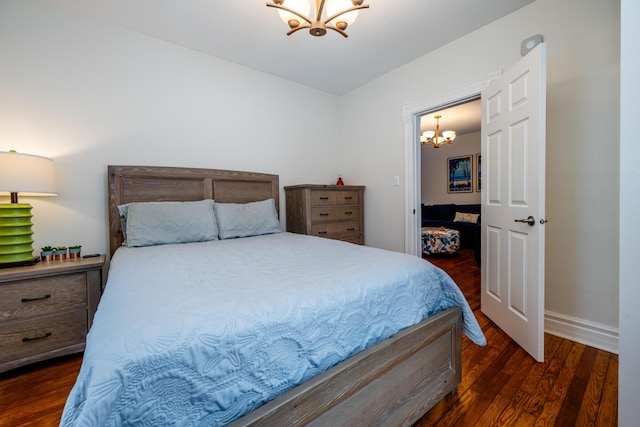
[
  {"x": 460, "y": 178},
  {"x": 478, "y": 172}
]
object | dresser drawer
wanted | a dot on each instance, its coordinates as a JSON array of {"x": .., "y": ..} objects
[
  {"x": 347, "y": 197},
  {"x": 39, "y": 297},
  {"x": 30, "y": 337},
  {"x": 334, "y": 197},
  {"x": 334, "y": 213},
  {"x": 337, "y": 230},
  {"x": 323, "y": 198}
]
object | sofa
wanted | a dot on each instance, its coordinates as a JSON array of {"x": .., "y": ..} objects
[{"x": 453, "y": 216}]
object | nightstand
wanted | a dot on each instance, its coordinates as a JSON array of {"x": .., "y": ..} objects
[{"x": 47, "y": 309}]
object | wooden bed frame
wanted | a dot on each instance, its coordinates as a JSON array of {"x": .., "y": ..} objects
[{"x": 392, "y": 383}]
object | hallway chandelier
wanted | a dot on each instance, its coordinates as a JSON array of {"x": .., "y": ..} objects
[
  {"x": 431, "y": 137},
  {"x": 338, "y": 15}
]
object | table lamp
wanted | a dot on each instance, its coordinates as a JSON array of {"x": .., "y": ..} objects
[{"x": 27, "y": 175}]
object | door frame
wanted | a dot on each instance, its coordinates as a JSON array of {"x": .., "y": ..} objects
[{"x": 411, "y": 112}]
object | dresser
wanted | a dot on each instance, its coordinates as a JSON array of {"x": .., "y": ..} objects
[
  {"x": 331, "y": 211},
  {"x": 47, "y": 309}
]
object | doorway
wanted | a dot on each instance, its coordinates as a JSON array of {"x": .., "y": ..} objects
[
  {"x": 513, "y": 131},
  {"x": 411, "y": 117},
  {"x": 452, "y": 204}
]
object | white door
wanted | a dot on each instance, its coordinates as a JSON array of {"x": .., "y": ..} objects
[{"x": 513, "y": 195}]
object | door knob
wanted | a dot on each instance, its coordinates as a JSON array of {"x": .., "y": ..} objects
[{"x": 529, "y": 220}]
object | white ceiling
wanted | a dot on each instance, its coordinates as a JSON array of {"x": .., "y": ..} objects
[
  {"x": 385, "y": 36},
  {"x": 462, "y": 118}
]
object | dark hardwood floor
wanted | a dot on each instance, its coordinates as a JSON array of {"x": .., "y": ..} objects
[{"x": 501, "y": 384}]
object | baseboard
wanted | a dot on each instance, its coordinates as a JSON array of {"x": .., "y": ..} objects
[{"x": 583, "y": 331}]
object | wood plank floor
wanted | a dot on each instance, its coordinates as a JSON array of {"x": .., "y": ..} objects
[{"x": 501, "y": 385}]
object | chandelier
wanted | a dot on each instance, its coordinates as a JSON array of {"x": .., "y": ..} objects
[
  {"x": 338, "y": 15},
  {"x": 431, "y": 137}
]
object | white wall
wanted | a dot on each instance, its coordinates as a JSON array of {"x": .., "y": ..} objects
[
  {"x": 435, "y": 173},
  {"x": 89, "y": 94},
  {"x": 629, "y": 374},
  {"x": 582, "y": 113}
]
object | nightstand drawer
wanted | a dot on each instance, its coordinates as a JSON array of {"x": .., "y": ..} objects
[
  {"x": 46, "y": 309},
  {"x": 38, "y": 297},
  {"x": 337, "y": 230},
  {"x": 36, "y": 336}
]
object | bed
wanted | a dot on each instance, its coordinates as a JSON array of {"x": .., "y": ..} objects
[{"x": 270, "y": 328}]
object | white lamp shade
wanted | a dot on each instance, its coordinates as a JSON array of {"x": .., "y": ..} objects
[
  {"x": 336, "y": 6},
  {"x": 27, "y": 174},
  {"x": 428, "y": 134},
  {"x": 300, "y": 6},
  {"x": 449, "y": 134}
]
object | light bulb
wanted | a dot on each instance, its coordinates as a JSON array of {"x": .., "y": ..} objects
[
  {"x": 336, "y": 6},
  {"x": 300, "y": 6}
]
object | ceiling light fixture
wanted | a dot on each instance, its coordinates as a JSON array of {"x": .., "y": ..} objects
[
  {"x": 338, "y": 16},
  {"x": 431, "y": 137}
]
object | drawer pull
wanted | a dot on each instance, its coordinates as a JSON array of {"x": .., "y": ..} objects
[
  {"x": 324, "y": 214},
  {"x": 47, "y": 296},
  {"x": 40, "y": 337},
  {"x": 348, "y": 213},
  {"x": 351, "y": 229},
  {"x": 322, "y": 232},
  {"x": 324, "y": 198},
  {"x": 348, "y": 197}
]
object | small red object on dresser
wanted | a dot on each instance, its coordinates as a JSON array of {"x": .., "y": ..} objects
[{"x": 340, "y": 181}]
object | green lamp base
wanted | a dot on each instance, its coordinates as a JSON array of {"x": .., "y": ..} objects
[{"x": 15, "y": 233}]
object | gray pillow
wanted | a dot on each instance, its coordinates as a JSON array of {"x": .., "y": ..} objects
[
  {"x": 160, "y": 223},
  {"x": 123, "y": 210},
  {"x": 247, "y": 219}
]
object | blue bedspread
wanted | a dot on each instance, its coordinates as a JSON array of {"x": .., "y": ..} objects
[{"x": 203, "y": 333}]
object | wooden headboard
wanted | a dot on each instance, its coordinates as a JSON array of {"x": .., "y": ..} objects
[{"x": 158, "y": 184}]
